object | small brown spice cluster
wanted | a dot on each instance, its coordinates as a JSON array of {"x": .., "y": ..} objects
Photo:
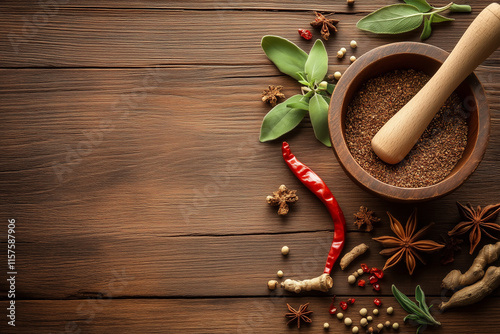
[
  {"x": 272, "y": 94},
  {"x": 282, "y": 198},
  {"x": 438, "y": 149},
  {"x": 365, "y": 217},
  {"x": 451, "y": 246},
  {"x": 477, "y": 221},
  {"x": 325, "y": 24}
]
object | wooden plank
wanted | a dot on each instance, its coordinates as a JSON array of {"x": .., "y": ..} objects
[
  {"x": 110, "y": 151},
  {"x": 141, "y": 37},
  {"x": 223, "y": 315}
]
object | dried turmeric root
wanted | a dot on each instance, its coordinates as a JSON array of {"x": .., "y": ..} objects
[
  {"x": 354, "y": 253},
  {"x": 323, "y": 283},
  {"x": 455, "y": 279},
  {"x": 474, "y": 293}
]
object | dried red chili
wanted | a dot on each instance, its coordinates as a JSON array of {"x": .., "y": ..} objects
[
  {"x": 365, "y": 268},
  {"x": 351, "y": 300},
  {"x": 361, "y": 283},
  {"x": 315, "y": 184},
  {"x": 305, "y": 34},
  {"x": 376, "y": 286},
  {"x": 343, "y": 305},
  {"x": 333, "y": 309},
  {"x": 377, "y": 302}
]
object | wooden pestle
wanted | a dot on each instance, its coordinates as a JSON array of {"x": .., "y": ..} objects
[{"x": 397, "y": 137}]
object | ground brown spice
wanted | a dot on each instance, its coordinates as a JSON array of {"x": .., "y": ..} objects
[{"x": 437, "y": 151}]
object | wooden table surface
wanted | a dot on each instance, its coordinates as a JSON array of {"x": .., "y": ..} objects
[{"x": 132, "y": 167}]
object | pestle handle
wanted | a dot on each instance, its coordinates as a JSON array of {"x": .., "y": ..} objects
[{"x": 397, "y": 137}]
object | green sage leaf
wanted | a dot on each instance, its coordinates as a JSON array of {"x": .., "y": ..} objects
[
  {"x": 422, "y": 5},
  {"x": 392, "y": 19},
  {"x": 405, "y": 302},
  {"x": 420, "y": 297},
  {"x": 460, "y": 8},
  {"x": 288, "y": 57},
  {"x": 298, "y": 105},
  {"x": 426, "y": 32},
  {"x": 318, "y": 112},
  {"x": 437, "y": 18},
  {"x": 281, "y": 119},
  {"x": 316, "y": 64}
]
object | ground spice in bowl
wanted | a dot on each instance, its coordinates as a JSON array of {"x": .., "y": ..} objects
[{"x": 435, "y": 155}]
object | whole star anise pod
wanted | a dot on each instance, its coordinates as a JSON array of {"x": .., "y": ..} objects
[
  {"x": 300, "y": 314},
  {"x": 272, "y": 94},
  {"x": 325, "y": 24},
  {"x": 407, "y": 243},
  {"x": 476, "y": 221},
  {"x": 281, "y": 198},
  {"x": 365, "y": 217}
]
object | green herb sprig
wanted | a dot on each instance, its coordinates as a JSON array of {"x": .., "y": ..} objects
[
  {"x": 309, "y": 70},
  {"x": 400, "y": 18},
  {"x": 419, "y": 314}
]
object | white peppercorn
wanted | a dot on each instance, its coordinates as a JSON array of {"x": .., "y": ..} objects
[
  {"x": 354, "y": 44},
  {"x": 355, "y": 274},
  {"x": 337, "y": 75},
  {"x": 375, "y": 311},
  {"x": 272, "y": 284},
  {"x": 340, "y": 54},
  {"x": 369, "y": 318},
  {"x": 347, "y": 321},
  {"x": 380, "y": 327},
  {"x": 387, "y": 324},
  {"x": 344, "y": 50},
  {"x": 352, "y": 59},
  {"x": 355, "y": 330},
  {"x": 280, "y": 273},
  {"x": 363, "y": 322},
  {"x": 326, "y": 325},
  {"x": 351, "y": 279},
  {"x": 390, "y": 309},
  {"x": 395, "y": 326},
  {"x": 363, "y": 312},
  {"x": 285, "y": 250},
  {"x": 340, "y": 315},
  {"x": 360, "y": 271}
]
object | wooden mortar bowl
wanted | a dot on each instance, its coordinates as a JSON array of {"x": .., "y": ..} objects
[{"x": 425, "y": 58}]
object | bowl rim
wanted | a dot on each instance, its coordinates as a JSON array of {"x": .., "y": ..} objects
[{"x": 366, "y": 180}]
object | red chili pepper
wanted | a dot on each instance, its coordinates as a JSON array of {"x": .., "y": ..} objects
[
  {"x": 361, "y": 283},
  {"x": 315, "y": 184},
  {"x": 377, "y": 302},
  {"x": 351, "y": 300},
  {"x": 372, "y": 279},
  {"x": 305, "y": 34},
  {"x": 376, "y": 286},
  {"x": 343, "y": 305},
  {"x": 332, "y": 309},
  {"x": 365, "y": 268}
]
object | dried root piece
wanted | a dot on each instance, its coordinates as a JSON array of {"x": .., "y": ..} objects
[
  {"x": 456, "y": 279},
  {"x": 354, "y": 253},
  {"x": 281, "y": 198},
  {"x": 321, "y": 283},
  {"x": 476, "y": 292}
]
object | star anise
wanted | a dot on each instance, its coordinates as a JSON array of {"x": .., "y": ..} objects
[
  {"x": 281, "y": 198},
  {"x": 476, "y": 221},
  {"x": 325, "y": 24},
  {"x": 451, "y": 245},
  {"x": 365, "y": 217},
  {"x": 407, "y": 243},
  {"x": 300, "y": 314},
  {"x": 272, "y": 94}
]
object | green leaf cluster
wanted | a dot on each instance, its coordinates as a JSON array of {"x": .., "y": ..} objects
[
  {"x": 309, "y": 70},
  {"x": 401, "y": 18},
  {"x": 420, "y": 313}
]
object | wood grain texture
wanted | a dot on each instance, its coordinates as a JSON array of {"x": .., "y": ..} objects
[
  {"x": 131, "y": 162},
  {"x": 226, "y": 315}
]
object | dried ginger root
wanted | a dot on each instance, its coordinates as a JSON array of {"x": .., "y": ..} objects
[
  {"x": 456, "y": 279},
  {"x": 323, "y": 283},
  {"x": 476, "y": 292},
  {"x": 354, "y": 253}
]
